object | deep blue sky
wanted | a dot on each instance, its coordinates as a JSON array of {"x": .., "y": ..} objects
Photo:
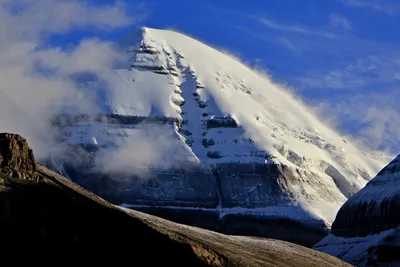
[{"x": 342, "y": 56}]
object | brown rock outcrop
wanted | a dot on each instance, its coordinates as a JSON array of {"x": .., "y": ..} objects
[{"x": 16, "y": 158}]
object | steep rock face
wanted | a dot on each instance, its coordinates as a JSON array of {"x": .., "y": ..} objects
[
  {"x": 366, "y": 228},
  {"x": 191, "y": 187},
  {"x": 16, "y": 158},
  {"x": 242, "y": 199},
  {"x": 49, "y": 219}
]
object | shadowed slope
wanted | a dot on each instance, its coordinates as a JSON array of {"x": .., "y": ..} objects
[
  {"x": 46, "y": 219},
  {"x": 366, "y": 231}
]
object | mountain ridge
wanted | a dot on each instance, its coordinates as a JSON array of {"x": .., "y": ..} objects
[{"x": 256, "y": 146}]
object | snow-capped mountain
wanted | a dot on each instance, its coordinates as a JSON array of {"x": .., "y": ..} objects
[
  {"x": 366, "y": 231},
  {"x": 206, "y": 131}
]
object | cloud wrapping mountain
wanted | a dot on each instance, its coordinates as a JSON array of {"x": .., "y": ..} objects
[{"x": 34, "y": 76}]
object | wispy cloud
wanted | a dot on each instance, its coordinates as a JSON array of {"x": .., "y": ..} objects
[
  {"x": 367, "y": 72},
  {"x": 357, "y": 84},
  {"x": 275, "y": 25},
  {"x": 283, "y": 41},
  {"x": 338, "y": 21},
  {"x": 371, "y": 118},
  {"x": 29, "y": 96},
  {"x": 388, "y": 6},
  {"x": 363, "y": 99},
  {"x": 287, "y": 43},
  {"x": 59, "y": 16},
  {"x": 213, "y": 8}
]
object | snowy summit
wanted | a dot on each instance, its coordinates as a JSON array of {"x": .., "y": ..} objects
[{"x": 184, "y": 100}]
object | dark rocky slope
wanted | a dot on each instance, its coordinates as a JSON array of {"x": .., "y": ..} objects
[
  {"x": 366, "y": 231},
  {"x": 46, "y": 219}
]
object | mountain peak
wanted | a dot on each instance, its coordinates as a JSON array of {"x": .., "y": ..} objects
[
  {"x": 183, "y": 101},
  {"x": 264, "y": 106}
]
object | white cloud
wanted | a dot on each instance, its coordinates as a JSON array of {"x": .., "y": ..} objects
[
  {"x": 383, "y": 6},
  {"x": 290, "y": 45},
  {"x": 91, "y": 54},
  {"x": 147, "y": 146},
  {"x": 37, "y": 17},
  {"x": 367, "y": 105},
  {"x": 364, "y": 72},
  {"x": 28, "y": 97},
  {"x": 371, "y": 118},
  {"x": 358, "y": 83},
  {"x": 383, "y": 125},
  {"x": 275, "y": 25},
  {"x": 338, "y": 21}
]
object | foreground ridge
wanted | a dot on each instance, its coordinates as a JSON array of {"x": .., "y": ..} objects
[{"x": 53, "y": 219}]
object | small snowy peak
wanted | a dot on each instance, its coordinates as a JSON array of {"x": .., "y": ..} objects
[
  {"x": 384, "y": 186},
  {"x": 376, "y": 205},
  {"x": 366, "y": 227}
]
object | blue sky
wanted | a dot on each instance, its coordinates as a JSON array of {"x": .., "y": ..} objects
[{"x": 340, "y": 56}]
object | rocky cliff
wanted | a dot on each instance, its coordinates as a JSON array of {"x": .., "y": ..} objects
[
  {"x": 232, "y": 198},
  {"x": 48, "y": 220},
  {"x": 366, "y": 231}
]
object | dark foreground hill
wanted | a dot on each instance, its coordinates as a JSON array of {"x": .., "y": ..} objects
[{"x": 46, "y": 219}]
